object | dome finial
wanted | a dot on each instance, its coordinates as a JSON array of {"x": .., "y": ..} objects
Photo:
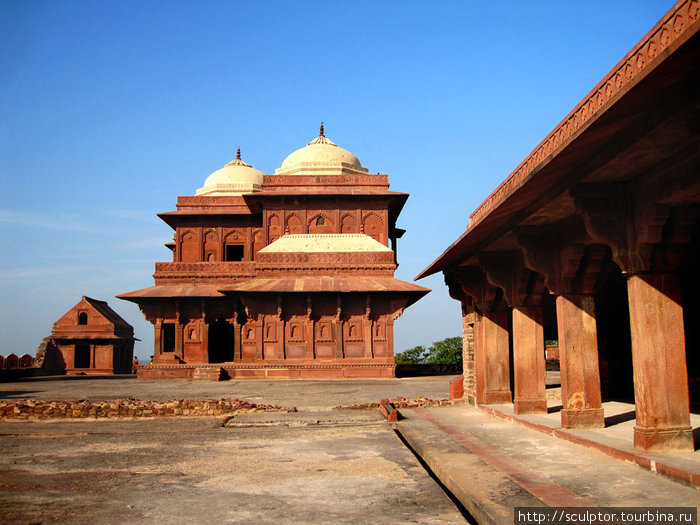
[
  {"x": 321, "y": 132},
  {"x": 238, "y": 153}
]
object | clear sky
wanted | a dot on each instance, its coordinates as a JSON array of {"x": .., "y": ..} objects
[{"x": 110, "y": 110}]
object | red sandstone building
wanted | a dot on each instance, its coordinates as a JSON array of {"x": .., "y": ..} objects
[
  {"x": 594, "y": 240},
  {"x": 284, "y": 275},
  {"x": 93, "y": 339}
]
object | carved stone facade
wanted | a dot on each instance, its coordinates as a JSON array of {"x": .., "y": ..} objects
[
  {"x": 291, "y": 281},
  {"x": 594, "y": 240}
]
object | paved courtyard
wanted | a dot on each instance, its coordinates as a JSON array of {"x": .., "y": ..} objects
[
  {"x": 347, "y": 468},
  {"x": 317, "y": 465}
]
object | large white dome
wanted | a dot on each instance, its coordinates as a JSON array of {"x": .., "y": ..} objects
[
  {"x": 236, "y": 178},
  {"x": 320, "y": 156}
]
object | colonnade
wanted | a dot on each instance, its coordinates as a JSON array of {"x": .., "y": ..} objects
[{"x": 502, "y": 294}]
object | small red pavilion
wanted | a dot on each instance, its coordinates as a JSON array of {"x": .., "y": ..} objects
[
  {"x": 94, "y": 339},
  {"x": 288, "y": 275}
]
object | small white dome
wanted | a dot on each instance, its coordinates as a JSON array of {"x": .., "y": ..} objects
[
  {"x": 236, "y": 178},
  {"x": 320, "y": 156}
]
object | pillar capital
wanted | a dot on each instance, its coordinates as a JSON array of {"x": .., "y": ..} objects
[
  {"x": 567, "y": 258},
  {"x": 473, "y": 283},
  {"x": 642, "y": 238},
  {"x": 506, "y": 269}
]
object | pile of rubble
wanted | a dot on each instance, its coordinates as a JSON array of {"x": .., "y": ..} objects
[
  {"x": 403, "y": 402},
  {"x": 129, "y": 407}
]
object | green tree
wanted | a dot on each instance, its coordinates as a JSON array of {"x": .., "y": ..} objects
[
  {"x": 445, "y": 352},
  {"x": 412, "y": 356}
]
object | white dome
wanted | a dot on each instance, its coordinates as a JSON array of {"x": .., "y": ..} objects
[
  {"x": 236, "y": 178},
  {"x": 320, "y": 156}
]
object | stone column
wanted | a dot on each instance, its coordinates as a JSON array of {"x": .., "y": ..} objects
[
  {"x": 479, "y": 359},
  {"x": 658, "y": 356},
  {"x": 468, "y": 364},
  {"x": 310, "y": 338},
  {"x": 281, "y": 334},
  {"x": 158, "y": 338},
  {"x": 368, "y": 325},
  {"x": 179, "y": 333},
  {"x": 578, "y": 354},
  {"x": 368, "y": 337},
  {"x": 205, "y": 339},
  {"x": 236, "y": 339},
  {"x": 259, "y": 338},
  {"x": 483, "y": 306},
  {"x": 338, "y": 328},
  {"x": 528, "y": 360},
  {"x": 493, "y": 356}
]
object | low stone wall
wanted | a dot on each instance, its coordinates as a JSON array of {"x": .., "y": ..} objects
[
  {"x": 31, "y": 408},
  {"x": 15, "y": 374},
  {"x": 414, "y": 370},
  {"x": 266, "y": 370}
]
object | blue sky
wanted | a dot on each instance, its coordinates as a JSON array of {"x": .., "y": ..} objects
[{"x": 110, "y": 110}]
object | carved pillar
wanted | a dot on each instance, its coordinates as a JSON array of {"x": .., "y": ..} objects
[
  {"x": 578, "y": 354},
  {"x": 179, "y": 338},
  {"x": 158, "y": 338},
  {"x": 468, "y": 338},
  {"x": 658, "y": 358},
  {"x": 281, "y": 333},
  {"x": 523, "y": 290},
  {"x": 236, "y": 338},
  {"x": 205, "y": 338},
  {"x": 310, "y": 328},
  {"x": 259, "y": 338},
  {"x": 281, "y": 330},
  {"x": 367, "y": 323},
  {"x": 528, "y": 360},
  {"x": 571, "y": 269},
  {"x": 468, "y": 364},
  {"x": 338, "y": 329},
  {"x": 647, "y": 241},
  {"x": 390, "y": 336},
  {"x": 493, "y": 356},
  {"x": 491, "y": 336}
]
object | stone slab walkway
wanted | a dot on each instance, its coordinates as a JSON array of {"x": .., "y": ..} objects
[
  {"x": 492, "y": 466},
  {"x": 616, "y": 439}
]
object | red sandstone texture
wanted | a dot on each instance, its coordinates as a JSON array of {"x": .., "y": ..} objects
[{"x": 30, "y": 408}]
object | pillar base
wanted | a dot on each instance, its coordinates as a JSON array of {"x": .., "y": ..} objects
[
  {"x": 497, "y": 396},
  {"x": 530, "y": 406},
  {"x": 582, "y": 418},
  {"x": 663, "y": 439}
]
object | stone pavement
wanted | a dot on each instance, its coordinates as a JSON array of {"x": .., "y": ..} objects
[
  {"x": 318, "y": 465},
  {"x": 616, "y": 439},
  {"x": 493, "y": 465},
  {"x": 302, "y": 394},
  {"x": 330, "y": 467}
]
